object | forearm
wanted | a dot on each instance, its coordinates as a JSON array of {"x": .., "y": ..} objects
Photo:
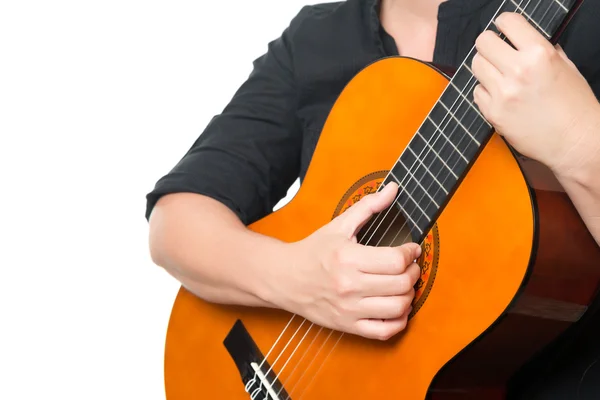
[
  {"x": 206, "y": 247},
  {"x": 586, "y": 198},
  {"x": 580, "y": 177}
]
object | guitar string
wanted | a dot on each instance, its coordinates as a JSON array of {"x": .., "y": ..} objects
[
  {"x": 446, "y": 177},
  {"x": 251, "y": 381},
  {"x": 522, "y": 10},
  {"x": 459, "y": 142},
  {"x": 545, "y": 13},
  {"x": 377, "y": 244},
  {"x": 275, "y": 379},
  {"x": 257, "y": 390},
  {"x": 396, "y": 215},
  {"x": 372, "y": 222},
  {"x": 441, "y": 131},
  {"x": 299, "y": 361},
  {"x": 342, "y": 334}
]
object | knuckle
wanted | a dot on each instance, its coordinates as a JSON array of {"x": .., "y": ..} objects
[
  {"x": 343, "y": 286},
  {"x": 509, "y": 17},
  {"x": 406, "y": 301},
  {"x": 541, "y": 54},
  {"x": 484, "y": 37},
  {"x": 406, "y": 284},
  {"x": 402, "y": 255},
  {"x": 509, "y": 93},
  {"x": 397, "y": 265},
  {"x": 402, "y": 305},
  {"x": 338, "y": 257}
]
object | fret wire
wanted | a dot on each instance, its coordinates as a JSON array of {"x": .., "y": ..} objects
[
  {"x": 483, "y": 129},
  {"x": 427, "y": 169},
  {"x": 459, "y": 123},
  {"x": 416, "y": 203},
  {"x": 562, "y": 5},
  {"x": 552, "y": 18},
  {"x": 531, "y": 19},
  {"x": 438, "y": 154},
  {"x": 449, "y": 141},
  {"x": 401, "y": 207},
  {"x": 418, "y": 183},
  {"x": 470, "y": 103},
  {"x": 541, "y": 19}
]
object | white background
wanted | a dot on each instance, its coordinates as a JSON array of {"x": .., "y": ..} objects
[{"x": 99, "y": 99}]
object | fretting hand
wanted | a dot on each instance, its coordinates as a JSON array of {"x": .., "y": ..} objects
[{"x": 535, "y": 96}]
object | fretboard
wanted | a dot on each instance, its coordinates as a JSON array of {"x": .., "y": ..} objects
[{"x": 454, "y": 133}]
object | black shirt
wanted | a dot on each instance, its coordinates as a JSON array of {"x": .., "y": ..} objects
[{"x": 250, "y": 154}]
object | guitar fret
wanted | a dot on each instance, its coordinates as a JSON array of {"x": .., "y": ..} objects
[
  {"x": 415, "y": 193},
  {"x": 449, "y": 141},
  {"x": 530, "y": 19},
  {"x": 458, "y": 121},
  {"x": 436, "y": 154},
  {"x": 411, "y": 220},
  {"x": 389, "y": 218},
  {"x": 418, "y": 183},
  {"x": 444, "y": 162},
  {"x": 431, "y": 176},
  {"x": 562, "y": 5},
  {"x": 424, "y": 166},
  {"x": 549, "y": 17},
  {"x": 405, "y": 190},
  {"x": 470, "y": 103},
  {"x": 402, "y": 207}
]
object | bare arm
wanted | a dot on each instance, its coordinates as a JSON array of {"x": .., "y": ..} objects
[
  {"x": 205, "y": 246},
  {"x": 580, "y": 176}
]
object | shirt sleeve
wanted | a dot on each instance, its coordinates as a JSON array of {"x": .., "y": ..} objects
[{"x": 249, "y": 155}]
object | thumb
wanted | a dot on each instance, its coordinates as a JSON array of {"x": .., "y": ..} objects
[{"x": 356, "y": 216}]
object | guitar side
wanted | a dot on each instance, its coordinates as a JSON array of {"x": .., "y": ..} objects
[{"x": 562, "y": 285}]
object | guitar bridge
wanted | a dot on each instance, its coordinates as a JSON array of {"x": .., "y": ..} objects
[{"x": 257, "y": 376}]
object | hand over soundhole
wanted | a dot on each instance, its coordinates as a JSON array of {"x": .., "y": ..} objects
[{"x": 338, "y": 283}]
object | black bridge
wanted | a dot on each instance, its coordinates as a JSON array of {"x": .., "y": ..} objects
[{"x": 252, "y": 366}]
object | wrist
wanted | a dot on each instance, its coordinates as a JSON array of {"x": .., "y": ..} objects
[
  {"x": 271, "y": 272},
  {"x": 580, "y": 162}
]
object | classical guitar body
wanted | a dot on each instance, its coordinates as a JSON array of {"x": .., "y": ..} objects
[{"x": 507, "y": 266}]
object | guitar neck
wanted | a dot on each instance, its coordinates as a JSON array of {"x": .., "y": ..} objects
[{"x": 453, "y": 134}]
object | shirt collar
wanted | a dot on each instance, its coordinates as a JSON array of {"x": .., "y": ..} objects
[{"x": 450, "y": 9}]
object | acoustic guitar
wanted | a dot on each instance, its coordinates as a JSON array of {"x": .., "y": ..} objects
[{"x": 507, "y": 263}]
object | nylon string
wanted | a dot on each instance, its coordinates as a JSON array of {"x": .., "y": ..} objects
[{"x": 373, "y": 222}]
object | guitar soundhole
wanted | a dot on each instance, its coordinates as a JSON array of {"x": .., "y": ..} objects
[{"x": 389, "y": 228}]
